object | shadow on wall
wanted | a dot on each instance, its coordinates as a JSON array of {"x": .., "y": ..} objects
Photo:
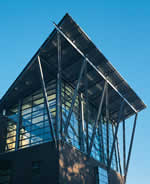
[
  {"x": 74, "y": 167},
  {"x": 115, "y": 178}
]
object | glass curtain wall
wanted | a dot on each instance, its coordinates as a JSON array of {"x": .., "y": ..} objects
[
  {"x": 77, "y": 127},
  {"x": 34, "y": 128},
  {"x": 34, "y": 125}
]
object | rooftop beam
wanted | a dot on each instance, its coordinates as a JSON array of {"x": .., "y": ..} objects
[{"x": 99, "y": 72}]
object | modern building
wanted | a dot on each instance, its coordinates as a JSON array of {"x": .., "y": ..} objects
[{"x": 60, "y": 118}]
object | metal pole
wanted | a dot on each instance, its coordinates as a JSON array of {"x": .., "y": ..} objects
[
  {"x": 98, "y": 71},
  {"x": 115, "y": 135},
  {"x": 82, "y": 113},
  {"x": 74, "y": 98},
  {"x": 82, "y": 122},
  {"x": 130, "y": 148},
  {"x": 100, "y": 132},
  {"x": 115, "y": 150},
  {"x": 117, "y": 142},
  {"x": 124, "y": 146},
  {"x": 18, "y": 125},
  {"x": 97, "y": 119},
  {"x": 58, "y": 94},
  {"x": 107, "y": 124},
  {"x": 46, "y": 100},
  {"x": 86, "y": 108}
]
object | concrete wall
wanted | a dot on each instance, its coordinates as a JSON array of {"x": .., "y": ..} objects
[
  {"x": 65, "y": 165},
  {"x": 115, "y": 178},
  {"x": 74, "y": 168},
  {"x": 21, "y": 162}
]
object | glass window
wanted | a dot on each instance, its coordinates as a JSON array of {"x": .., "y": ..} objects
[
  {"x": 103, "y": 176},
  {"x": 36, "y": 168},
  {"x": 4, "y": 176}
]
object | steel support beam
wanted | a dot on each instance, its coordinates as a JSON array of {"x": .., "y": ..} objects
[
  {"x": 118, "y": 151},
  {"x": 58, "y": 91},
  {"x": 74, "y": 98},
  {"x": 124, "y": 146},
  {"x": 82, "y": 122},
  {"x": 82, "y": 113},
  {"x": 18, "y": 125},
  {"x": 97, "y": 119},
  {"x": 95, "y": 68},
  {"x": 115, "y": 149},
  {"x": 86, "y": 85},
  {"x": 46, "y": 100},
  {"x": 115, "y": 134},
  {"x": 87, "y": 137},
  {"x": 130, "y": 148},
  {"x": 107, "y": 123},
  {"x": 100, "y": 133}
]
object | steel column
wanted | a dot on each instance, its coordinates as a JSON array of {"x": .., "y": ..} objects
[
  {"x": 107, "y": 124},
  {"x": 87, "y": 107},
  {"x": 115, "y": 149},
  {"x": 58, "y": 94},
  {"x": 46, "y": 99},
  {"x": 118, "y": 151},
  {"x": 97, "y": 119},
  {"x": 130, "y": 147},
  {"x": 82, "y": 122},
  {"x": 74, "y": 98},
  {"x": 124, "y": 146},
  {"x": 82, "y": 113},
  {"x": 18, "y": 124},
  {"x": 115, "y": 135},
  {"x": 100, "y": 132}
]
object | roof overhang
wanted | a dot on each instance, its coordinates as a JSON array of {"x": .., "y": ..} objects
[{"x": 27, "y": 82}]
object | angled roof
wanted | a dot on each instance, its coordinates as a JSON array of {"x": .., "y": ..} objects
[{"x": 72, "y": 60}]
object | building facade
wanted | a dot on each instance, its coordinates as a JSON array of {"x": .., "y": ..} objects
[{"x": 60, "y": 118}]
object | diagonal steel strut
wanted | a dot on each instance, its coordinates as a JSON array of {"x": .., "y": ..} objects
[
  {"x": 130, "y": 148},
  {"x": 46, "y": 99},
  {"x": 118, "y": 150},
  {"x": 74, "y": 98},
  {"x": 97, "y": 119},
  {"x": 95, "y": 68},
  {"x": 115, "y": 135}
]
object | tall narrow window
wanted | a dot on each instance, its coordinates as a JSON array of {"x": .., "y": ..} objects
[
  {"x": 4, "y": 176},
  {"x": 103, "y": 176},
  {"x": 36, "y": 168}
]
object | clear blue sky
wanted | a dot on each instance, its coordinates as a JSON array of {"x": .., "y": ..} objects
[{"x": 120, "y": 29}]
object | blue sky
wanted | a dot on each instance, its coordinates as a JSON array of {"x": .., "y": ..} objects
[{"x": 120, "y": 29}]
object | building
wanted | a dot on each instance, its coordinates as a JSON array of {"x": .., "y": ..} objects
[{"x": 60, "y": 118}]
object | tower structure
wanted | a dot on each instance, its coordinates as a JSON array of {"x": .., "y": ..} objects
[{"x": 60, "y": 118}]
